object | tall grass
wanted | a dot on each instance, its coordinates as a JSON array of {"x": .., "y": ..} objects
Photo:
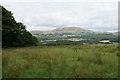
[{"x": 81, "y": 61}]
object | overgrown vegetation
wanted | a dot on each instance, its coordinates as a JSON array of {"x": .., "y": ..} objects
[{"x": 80, "y": 61}]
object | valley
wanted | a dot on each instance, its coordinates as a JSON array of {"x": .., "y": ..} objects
[{"x": 72, "y": 36}]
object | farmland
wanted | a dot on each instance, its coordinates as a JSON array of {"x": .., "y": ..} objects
[
  {"x": 73, "y": 36},
  {"x": 77, "y": 61}
]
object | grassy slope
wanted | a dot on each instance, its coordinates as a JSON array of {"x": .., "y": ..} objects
[{"x": 83, "y": 61}]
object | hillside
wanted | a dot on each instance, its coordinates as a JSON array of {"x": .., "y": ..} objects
[
  {"x": 70, "y": 29},
  {"x": 63, "y": 30}
]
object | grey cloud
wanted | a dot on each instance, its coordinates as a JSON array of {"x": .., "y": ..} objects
[{"x": 91, "y": 15}]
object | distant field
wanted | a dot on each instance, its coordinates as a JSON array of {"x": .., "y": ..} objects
[{"x": 81, "y": 61}]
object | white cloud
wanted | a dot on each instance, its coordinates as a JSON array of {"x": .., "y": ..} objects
[
  {"x": 42, "y": 28},
  {"x": 60, "y": 1},
  {"x": 92, "y": 15}
]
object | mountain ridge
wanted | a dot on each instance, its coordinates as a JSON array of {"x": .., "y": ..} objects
[
  {"x": 65, "y": 29},
  {"x": 70, "y": 29}
]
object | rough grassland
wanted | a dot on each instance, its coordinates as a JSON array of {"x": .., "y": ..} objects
[{"x": 81, "y": 61}]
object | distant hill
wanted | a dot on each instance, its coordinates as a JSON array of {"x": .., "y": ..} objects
[
  {"x": 63, "y": 30},
  {"x": 77, "y": 35},
  {"x": 70, "y": 29}
]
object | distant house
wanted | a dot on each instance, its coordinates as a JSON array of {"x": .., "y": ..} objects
[{"x": 105, "y": 42}]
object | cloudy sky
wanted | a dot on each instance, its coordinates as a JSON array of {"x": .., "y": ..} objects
[{"x": 97, "y": 15}]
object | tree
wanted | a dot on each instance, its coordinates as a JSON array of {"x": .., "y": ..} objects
[{"x": 14, "y": 34}]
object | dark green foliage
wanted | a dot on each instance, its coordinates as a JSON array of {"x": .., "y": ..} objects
[{"x": 14, "y": 34}]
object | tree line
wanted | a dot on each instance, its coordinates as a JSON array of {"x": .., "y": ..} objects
[{"x": 14, "y": 34}]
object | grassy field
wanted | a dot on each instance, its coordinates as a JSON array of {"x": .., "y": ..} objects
[{"x": 81, "y": 61}]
